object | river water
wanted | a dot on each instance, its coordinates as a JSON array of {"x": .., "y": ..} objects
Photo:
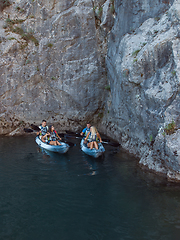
[{"x": 73, "y": 196}]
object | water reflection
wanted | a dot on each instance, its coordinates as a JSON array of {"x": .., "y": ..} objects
[
  {"x": 91, "y": 164},
  {"x": 48, "y": 157}
]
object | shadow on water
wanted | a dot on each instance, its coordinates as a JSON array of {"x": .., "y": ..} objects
[
  {"x": 149, "y": 178},
  {"x": 154, "y": 180}
]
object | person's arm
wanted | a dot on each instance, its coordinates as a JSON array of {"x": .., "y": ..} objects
[
  {"x": 99, "y": 137},
  {"x": 38, "y": 133},
  {"x": 87, "y": 136},
  {"x": 83, "y": 132},
  {"x": 58, "y": 136},
  {"x": 47, "y": 134}
]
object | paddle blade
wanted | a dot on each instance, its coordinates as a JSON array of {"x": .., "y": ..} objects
[
  {"x": 74, "y": 137},
  {"x": 34, "y": 127},
  {"x": 73, "y": 133},
  {"x": 106, "y": 140},
  {"x": 112, "y": 144},
  {"x": 28, "y": 130}
]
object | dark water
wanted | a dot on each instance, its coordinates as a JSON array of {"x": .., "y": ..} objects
[{"x": 73, "y": 196}]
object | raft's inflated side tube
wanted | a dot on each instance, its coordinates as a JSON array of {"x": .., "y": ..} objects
[
  {"x": 94, "y": 152},
  {"x": 63, "y": 148}
]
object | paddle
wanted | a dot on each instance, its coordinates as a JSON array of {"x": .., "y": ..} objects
[
  {"x": 69, "y": 143},
  {"x": 79, "y": 135},
  {"x": 113, "y": 144},
  {"x": 74, "y": 137},
  {"x": 28, "y": 130},
  {"x": 34, "y": 127},
  {"x": 72, "y": 133}
]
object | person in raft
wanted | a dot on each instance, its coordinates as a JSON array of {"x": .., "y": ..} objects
[
  {"x": 93, "y": 136},
  {"x": 86, "y": 130},
  {"x": 52, "y": 136},
  {"x": 43, "y": 130}
]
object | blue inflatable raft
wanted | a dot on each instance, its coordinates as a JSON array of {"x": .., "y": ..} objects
[
  {"x": 63, "y": 148},
  {"x": 94, "y": 152}
]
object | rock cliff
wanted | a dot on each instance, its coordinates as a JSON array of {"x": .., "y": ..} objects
[
  {"x": 115, "y": 63},
  {"x": 50, "y": 63},
  {"x": 143, "y": 108}
]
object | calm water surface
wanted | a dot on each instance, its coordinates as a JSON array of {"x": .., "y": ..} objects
[{"x": 73, "y": 196}]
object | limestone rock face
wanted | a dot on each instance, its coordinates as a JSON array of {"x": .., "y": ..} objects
[
  {"x": 50, "y": 66},
  {"x": 143, "y": 73}
]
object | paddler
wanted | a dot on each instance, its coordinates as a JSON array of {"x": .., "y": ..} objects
[
  {"x": 43, "y": 131},
  {"x": 53, "y": 137},
  {"x": 93, "y": 136},
  {"x": 85, "y": 131}
]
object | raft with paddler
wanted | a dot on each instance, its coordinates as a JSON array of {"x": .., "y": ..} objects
[{"x": 49, "y": 139}]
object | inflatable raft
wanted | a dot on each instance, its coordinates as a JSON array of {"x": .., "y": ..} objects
[
  {"x": 94, "y": 152},
  {"x": 63, "y": 148}
]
